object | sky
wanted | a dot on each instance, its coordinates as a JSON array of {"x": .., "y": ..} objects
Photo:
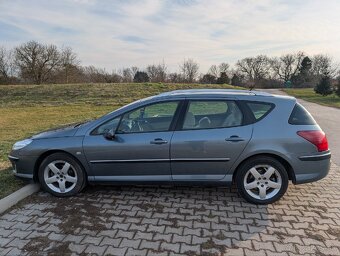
[{"x": 123, "y": 33}]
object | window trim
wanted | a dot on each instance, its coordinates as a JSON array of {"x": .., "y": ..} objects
[
  {"x": 179, "y": 126},
  {"x": 172, "y": 124}
]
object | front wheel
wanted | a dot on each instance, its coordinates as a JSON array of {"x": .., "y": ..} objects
[
  {"x": 262, "y": 180},
  {"x": 61, "y": 175}
]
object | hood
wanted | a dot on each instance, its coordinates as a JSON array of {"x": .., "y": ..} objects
[{"x": 68, "y": 130}]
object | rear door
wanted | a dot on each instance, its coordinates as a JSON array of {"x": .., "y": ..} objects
[{"x": 209, "y": 140}]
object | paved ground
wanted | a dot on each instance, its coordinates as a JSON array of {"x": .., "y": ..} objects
[
  {"x": 329, "y": 120},
  {"x": 181, "y": 220},
  {"x": 176, "y": 221}
]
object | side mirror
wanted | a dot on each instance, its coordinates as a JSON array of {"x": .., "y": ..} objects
[{"x": 109, "y": 135}]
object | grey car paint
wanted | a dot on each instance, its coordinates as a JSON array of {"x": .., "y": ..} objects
[{"x": 132, "y": 158}]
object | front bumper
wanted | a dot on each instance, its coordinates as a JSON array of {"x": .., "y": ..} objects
[
  {"x": 23, "y": 168},
  {"x": 311, "y": 168}
]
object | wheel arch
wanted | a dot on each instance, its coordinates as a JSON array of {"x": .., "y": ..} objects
[
  {"x": 284, "y": 162},
  {"x": 50, "y": 152}
]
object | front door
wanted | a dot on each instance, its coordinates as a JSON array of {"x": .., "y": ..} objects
[
  {"x": 140, "y": 149},
  {"x": 210, "y": 140}
]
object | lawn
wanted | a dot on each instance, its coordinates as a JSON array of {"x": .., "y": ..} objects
[
  {"x": 29, "y": 109},
  {"x": 309, "y": 95}
]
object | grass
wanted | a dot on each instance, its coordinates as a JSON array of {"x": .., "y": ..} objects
[
  {"x": 309, "y": 95},
  {"x": 29, "y": 109}
]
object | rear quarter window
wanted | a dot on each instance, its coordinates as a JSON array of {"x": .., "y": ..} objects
[
  {"x": 260, "y": 109},
  {"x": 300, "y": 116}
]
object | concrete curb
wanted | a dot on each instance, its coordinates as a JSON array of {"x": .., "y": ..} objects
[{"x": 17, "y": 196}]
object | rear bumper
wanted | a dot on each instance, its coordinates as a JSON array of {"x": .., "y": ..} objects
[
  {"x": 312, "y": 167},
  {"x": 320, "y": 157}
]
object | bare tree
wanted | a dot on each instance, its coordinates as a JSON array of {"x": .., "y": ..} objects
[
  {"x": 68, "y": 62},
  {"x": 323, "y": 65},
  {"x": 189, "y": 69},
  {"x": 152, "y": 72},
  {"x": 36, "y": 61},
  {"x": 7, "y": 68},
  {"x": 175, "y": 78},
  {"x": 214, "y": 71},
  {"x": 287, "y": 65},
  {"x": 223, "y": 67},
  {"x": 162, "y": 72},
  {"x": 92, "y": 74},
  {"x": 127, "y": 75},
  {"x": 157, "y": 73},
  {"x": 254, "y": 68},
  {"x": 134, "y": 70}
]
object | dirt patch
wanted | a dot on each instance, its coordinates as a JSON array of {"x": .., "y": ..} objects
[
  {"x": 78, "y": 213},
  {"x": 315, "y": 236},
  {"x": 35, "y": 245},
  {"x": 151, "y": 207},
  {"x": 43, "y": 245},
  {"x": 220, "y": 236},
  {"x": 281, "y": 235},
  {"x": 61, "y": 249},
  {"x": 210, "y": 244},
  {"x": 334, "y": 232}
]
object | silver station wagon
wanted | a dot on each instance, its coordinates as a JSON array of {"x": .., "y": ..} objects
[{"x": 188, "y": 137}]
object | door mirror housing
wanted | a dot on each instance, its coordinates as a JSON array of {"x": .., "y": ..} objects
[{"x": 110, "y": 135}]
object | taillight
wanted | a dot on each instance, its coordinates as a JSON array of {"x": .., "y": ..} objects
[{"x": 318, "y": 138}]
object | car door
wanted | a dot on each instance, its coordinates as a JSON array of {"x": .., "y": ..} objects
[
  {"x": 210, "y": 139},
  {"x": 140, "y": 147}
]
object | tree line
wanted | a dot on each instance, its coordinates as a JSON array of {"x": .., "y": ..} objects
[{"x": 34, "y": 62}]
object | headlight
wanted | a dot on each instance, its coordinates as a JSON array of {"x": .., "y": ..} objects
[{"x": 21, "y": 144}]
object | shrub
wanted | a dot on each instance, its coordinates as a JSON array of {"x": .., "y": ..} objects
[
  {"x": 223, "y": 79},
  {"x": 141, "y": 77},
  {"x": 324, "y": 87},
  {"x": 337, "y": 88}
]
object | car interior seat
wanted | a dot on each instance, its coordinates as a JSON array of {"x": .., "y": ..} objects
[{"x": 234, "y": 118}]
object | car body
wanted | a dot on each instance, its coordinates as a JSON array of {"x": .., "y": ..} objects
[{"x": 185, "y": 137}]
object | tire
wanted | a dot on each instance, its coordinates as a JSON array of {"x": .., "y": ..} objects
[
  {"x": 61, "y": 175},
  {"x": 262, "y": 180}
]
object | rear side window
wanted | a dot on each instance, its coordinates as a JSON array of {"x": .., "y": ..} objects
[
  {"x": 300, "y": 116},
  {"x": 260, "y": 109},
  {"x": 212, "y": 114}
]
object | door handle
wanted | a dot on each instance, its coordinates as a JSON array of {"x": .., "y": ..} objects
[
  {"x": 158, "y": 141},
  {"x": 234, "y": 138}
]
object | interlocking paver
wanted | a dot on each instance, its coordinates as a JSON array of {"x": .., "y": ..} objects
[
  {"x": 114, "y": 251},
  {"x": 77, "y": 248},
  {"x": 177, "y": 221},
  {"x": 95, "y": 249}
]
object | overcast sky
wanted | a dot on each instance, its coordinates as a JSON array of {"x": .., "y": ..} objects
[{"x": 123, "y": 33}]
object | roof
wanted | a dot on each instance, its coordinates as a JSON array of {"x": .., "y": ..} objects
[{"x": 234, "y": 92}]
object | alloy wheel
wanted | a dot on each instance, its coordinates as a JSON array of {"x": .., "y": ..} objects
[
  {"x": 60, "y": 176},
  {"x": 262, "y": 182}
]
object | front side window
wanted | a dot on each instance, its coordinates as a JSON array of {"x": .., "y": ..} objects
[
  {"x": 150, "y": 118},
  {"x": 109, "y": 126},
  {"x": 212, "y": 114}
]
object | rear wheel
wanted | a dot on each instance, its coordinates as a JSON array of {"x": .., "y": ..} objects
[
  {"x": 61, "y": 175},
  {"x": 262, "y": 180}
]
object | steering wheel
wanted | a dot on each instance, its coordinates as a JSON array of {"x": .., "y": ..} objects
[{"x": 135, "y": 125}]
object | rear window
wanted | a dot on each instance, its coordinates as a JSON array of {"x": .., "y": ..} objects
[
  {"x": 300, "y": 116},
  {"x": 260, "y": 109}
]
